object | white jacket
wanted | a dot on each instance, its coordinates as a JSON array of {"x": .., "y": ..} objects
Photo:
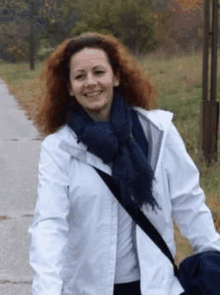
[{"x": 73, "y": 235}]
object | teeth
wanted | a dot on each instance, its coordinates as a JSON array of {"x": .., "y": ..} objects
[{"x": 93, "y": 93}]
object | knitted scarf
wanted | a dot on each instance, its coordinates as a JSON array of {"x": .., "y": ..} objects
[{"x": 122, "y": 143}]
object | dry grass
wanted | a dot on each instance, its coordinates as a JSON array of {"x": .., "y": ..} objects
[
  {"x": 179, "y": 83},
  {"x": 23, "y": 84}
]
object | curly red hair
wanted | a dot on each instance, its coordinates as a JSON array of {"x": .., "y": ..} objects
[{"x": 55, "y": 99}]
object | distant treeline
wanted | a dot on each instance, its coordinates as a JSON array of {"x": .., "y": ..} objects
[{"x": 142, "y": 25}]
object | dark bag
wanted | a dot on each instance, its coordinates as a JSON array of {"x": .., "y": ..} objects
[{"x": 199, "y": 274}]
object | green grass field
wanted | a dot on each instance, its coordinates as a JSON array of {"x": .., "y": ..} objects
[{"x": 179, "y": 83}]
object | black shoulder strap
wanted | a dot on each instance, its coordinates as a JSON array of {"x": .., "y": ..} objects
[{"x": 139, "y": 217}]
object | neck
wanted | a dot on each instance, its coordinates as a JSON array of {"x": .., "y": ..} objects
[{"x": 99, "y": 116}]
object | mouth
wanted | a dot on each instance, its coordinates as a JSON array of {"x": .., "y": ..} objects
[{"x": 91, "y": 94}]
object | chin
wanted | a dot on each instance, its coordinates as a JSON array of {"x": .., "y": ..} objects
[{"x": 96, "y": 108}]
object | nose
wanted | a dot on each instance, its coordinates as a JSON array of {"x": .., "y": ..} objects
[{"x": 90, "y": 80}]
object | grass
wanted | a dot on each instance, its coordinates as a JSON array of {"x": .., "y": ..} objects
[
  {"x": 23, "y": 83},
  {"x": 179, "y": 83}
]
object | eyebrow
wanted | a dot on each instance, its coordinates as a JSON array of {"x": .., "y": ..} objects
[{"x": 81, "y": 70}]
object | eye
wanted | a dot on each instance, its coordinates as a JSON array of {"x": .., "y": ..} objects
[
  {"x": 78, "y": 77},
  {"x": 99, "y": 72}
]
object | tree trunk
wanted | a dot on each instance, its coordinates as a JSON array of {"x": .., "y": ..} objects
[{"x": 32, "y": 37}]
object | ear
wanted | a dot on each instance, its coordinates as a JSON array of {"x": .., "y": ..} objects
[
  {"x": 116, "y": 81},
  {"x": 70, "y": 90}
]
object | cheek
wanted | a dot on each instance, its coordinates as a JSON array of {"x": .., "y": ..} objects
[
  {"x": 109, "y": 85},
  {"x": 75, "y": 87}
]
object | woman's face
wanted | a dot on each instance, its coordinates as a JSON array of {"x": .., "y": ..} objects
[{"x": 92, "y": 81}]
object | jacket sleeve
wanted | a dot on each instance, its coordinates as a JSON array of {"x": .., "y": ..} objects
[
  {"x": 49, "y": 229},
  {"x": 189, "y": 209}
]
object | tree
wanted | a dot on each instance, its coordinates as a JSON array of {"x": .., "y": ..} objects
[
  {"x": 130, "y": 21},
  {"x": 19, "y": 8},
  {"x": 189, "y": 4},
  {"x": 51, "y": 20},
  {"x": 179, "y": 28},
  {"x": 12, "y": 31},
  {"x": 32, "y": 35}
]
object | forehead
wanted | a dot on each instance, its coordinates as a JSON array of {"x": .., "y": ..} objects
[{"x": 89, "y": 57}]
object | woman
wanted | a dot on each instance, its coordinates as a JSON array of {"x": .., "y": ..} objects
[{"x": 97, "y": 112}]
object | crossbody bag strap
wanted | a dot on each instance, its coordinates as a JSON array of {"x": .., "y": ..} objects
[{"x": 139, "y": 217}]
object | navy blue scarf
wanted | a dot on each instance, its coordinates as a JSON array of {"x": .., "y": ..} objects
[{"x": 122, "y": 143}]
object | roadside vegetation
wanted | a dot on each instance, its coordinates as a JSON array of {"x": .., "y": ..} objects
[{"x": 179, "y": 82}]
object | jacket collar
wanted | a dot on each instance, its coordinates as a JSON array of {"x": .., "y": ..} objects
[
  {"x": 155, "y": 123},
  {"x": 80, "y": 151},
  {"x": 161, "y": 119}
]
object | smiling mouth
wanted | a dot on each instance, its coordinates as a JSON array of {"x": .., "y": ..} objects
[{"x": 91, "y": 94}]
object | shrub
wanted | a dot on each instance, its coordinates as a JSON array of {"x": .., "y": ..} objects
[{"x": 14, "y": 37}]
